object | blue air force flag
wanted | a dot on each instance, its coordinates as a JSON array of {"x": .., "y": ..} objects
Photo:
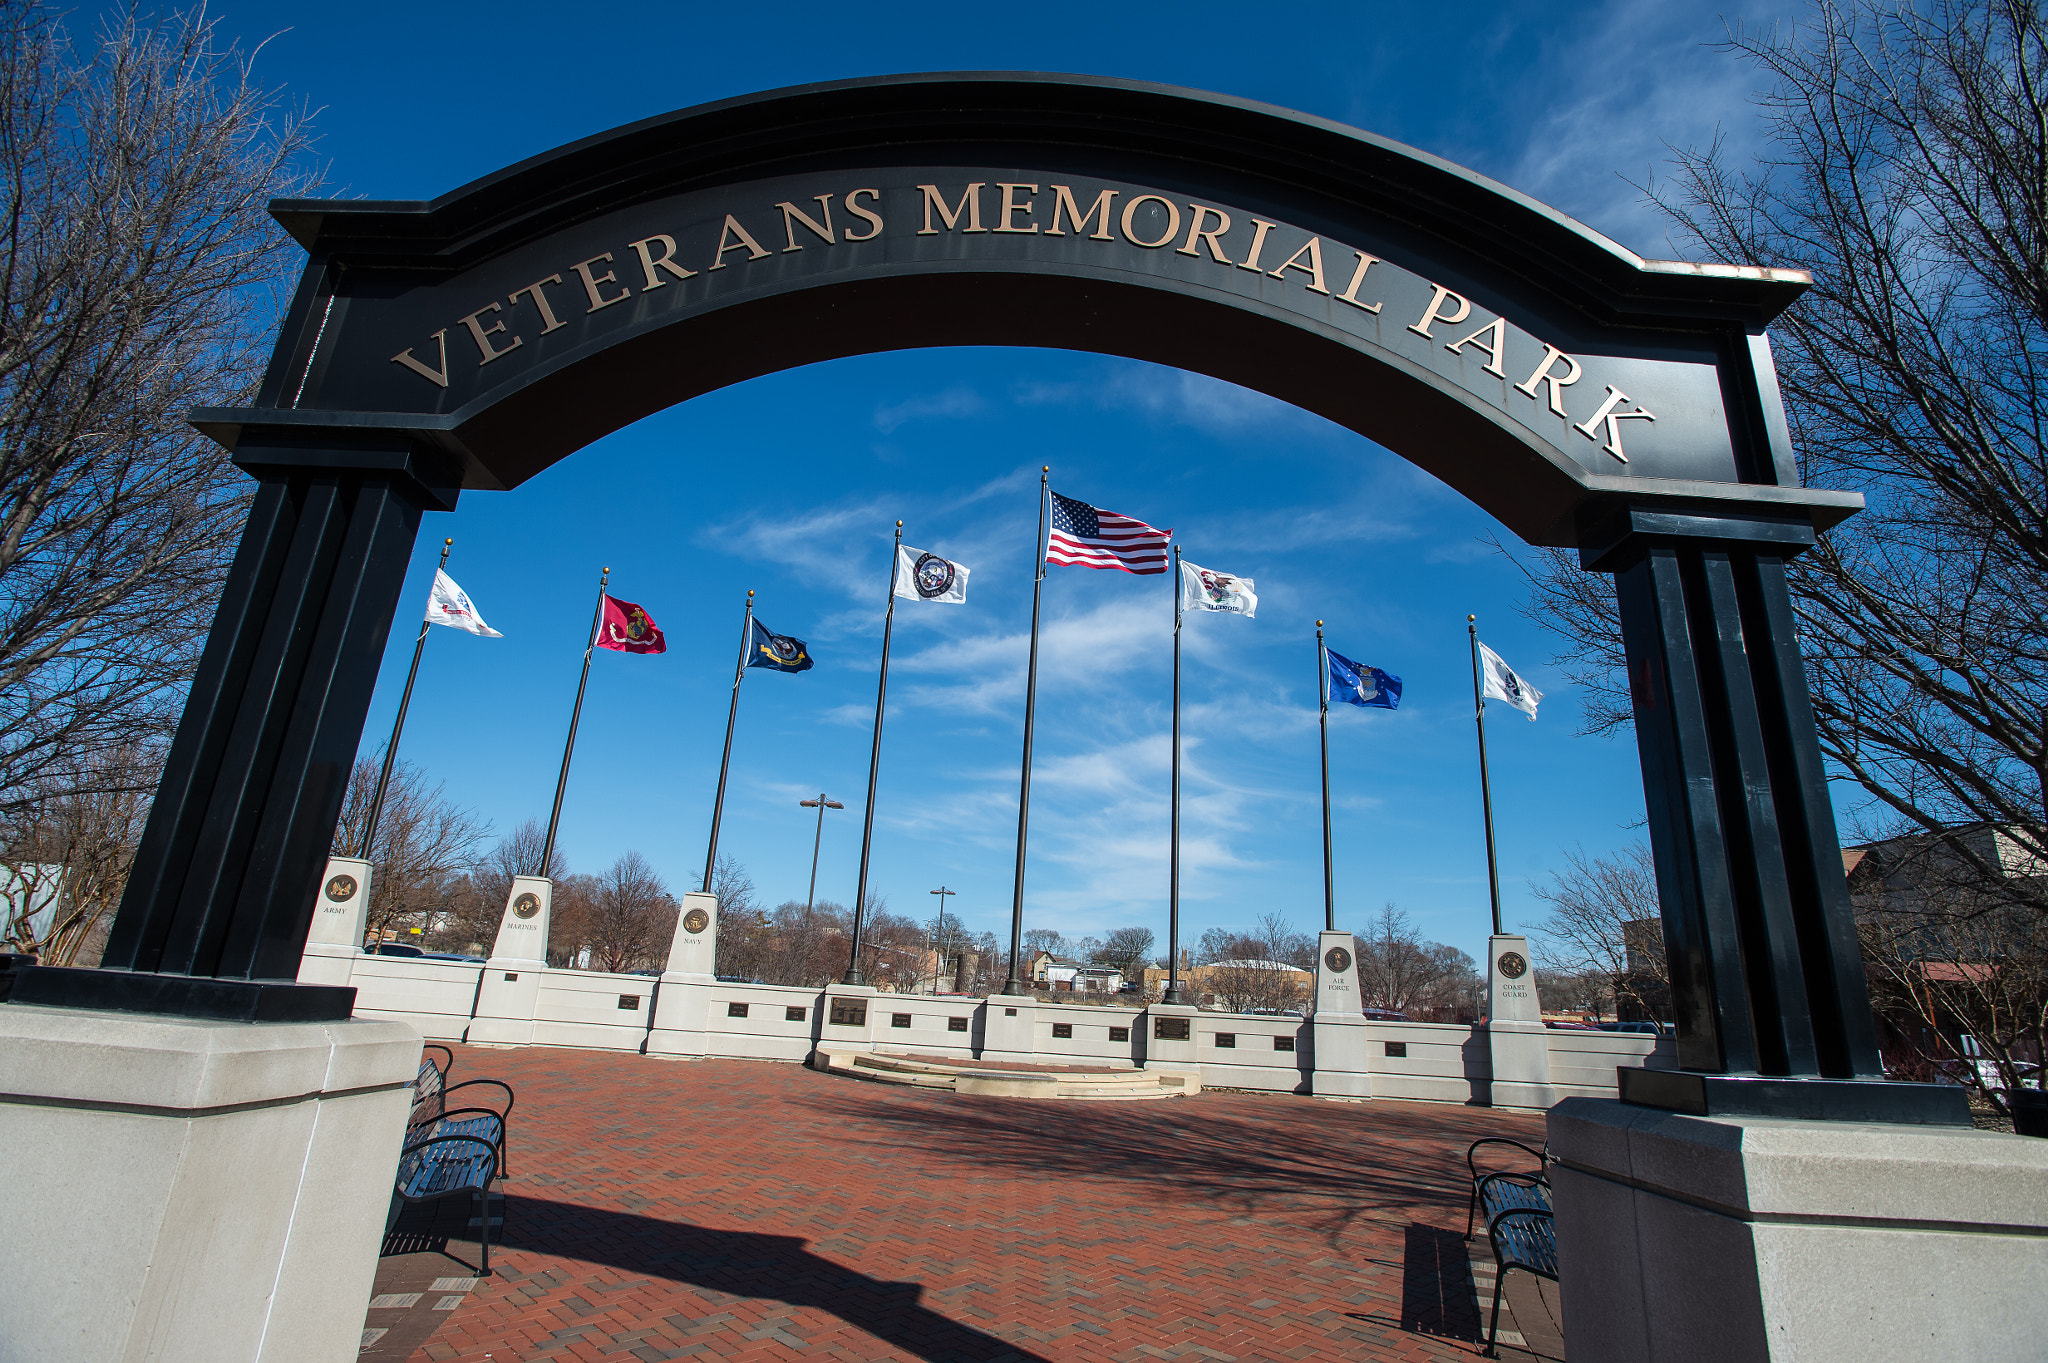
[
  {"x": 1359, "y": 684},
  {"x": 766, "y": 648},
  {"x": 927, "y": 577},
  {"x": 1500, "y": 682}
]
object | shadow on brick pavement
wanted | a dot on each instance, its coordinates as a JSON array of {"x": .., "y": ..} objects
[{"x": 754, "y": 1211}]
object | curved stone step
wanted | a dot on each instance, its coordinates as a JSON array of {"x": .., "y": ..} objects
[{"x": 1085, "y": 1086}]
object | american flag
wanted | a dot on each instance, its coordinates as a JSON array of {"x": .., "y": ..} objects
[{"x": 1090, "y": 537}]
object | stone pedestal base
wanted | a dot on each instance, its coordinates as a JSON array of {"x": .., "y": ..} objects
[
  {"x": 1010, "y": 1028},
  {"x": 1743, "y": 1239},
  {"x": 1342, "y": 1056},
  {"x": 191, "y": 1191}
]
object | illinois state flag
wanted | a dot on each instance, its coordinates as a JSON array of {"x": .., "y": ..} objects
[{"x": 627, "y": 628}]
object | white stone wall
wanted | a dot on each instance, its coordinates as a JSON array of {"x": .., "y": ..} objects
[{"x": 1431, "y": 1062}]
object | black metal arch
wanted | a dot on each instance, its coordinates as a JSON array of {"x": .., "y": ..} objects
[{"x": 1581, "y": 394}]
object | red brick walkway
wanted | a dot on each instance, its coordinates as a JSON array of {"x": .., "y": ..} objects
[{"x": 749, "y": 1211}]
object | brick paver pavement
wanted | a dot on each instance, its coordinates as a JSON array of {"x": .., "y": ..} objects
[{"x": 736, "y": 1210}]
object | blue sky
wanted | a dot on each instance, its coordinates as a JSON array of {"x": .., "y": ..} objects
[{"x": 790, "y": 485}]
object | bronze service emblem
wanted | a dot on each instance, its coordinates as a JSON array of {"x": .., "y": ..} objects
[
  {"x": 1512, "y": 965},
  {"x": 526, "y": 906},
  {"x": 1338, "y": 959},
  {"x": 342, "y": 888},
  {"x": 695, "y": 921}
]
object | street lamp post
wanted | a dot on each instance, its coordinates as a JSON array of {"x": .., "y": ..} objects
[
  {"x": 941, "y": 892},
  {"x": 821, "y": 804}
]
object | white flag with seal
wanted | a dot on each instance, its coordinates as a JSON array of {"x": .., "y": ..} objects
[
  {"x": 1500, "y": 682},
  {"x": 449, "y": 605},
  {"x": 927, "y": 577},
  {"x": 1204, "y": 589}
]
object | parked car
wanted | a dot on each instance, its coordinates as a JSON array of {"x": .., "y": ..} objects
[
  {"x": 393, "y": 949},
  {"x": 1570, "y": 1027},
  {"x": 1650, "y": 1028},
  {"x": 1384, "y": 1015},
  {"x": 453, "y": 956}
]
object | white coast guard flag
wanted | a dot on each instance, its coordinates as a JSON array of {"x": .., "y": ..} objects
[
  {"x": 927, "y": 577},
  {"x": 1203, "y": 589},
  {"x": 449, "y": 605},
  {"x": 1499, "y": 682}
]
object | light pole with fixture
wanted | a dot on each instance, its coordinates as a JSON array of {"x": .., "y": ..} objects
[
  {"x": 940, "y": 950},
  {"x": 821, "y": 804}
]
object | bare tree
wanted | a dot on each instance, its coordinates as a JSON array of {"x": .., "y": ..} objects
[
  {"x": 1399, "y": 970},
  {"x": 476, "y": 904},
  {"x": 1908, "y": 169},
  {"x": 733, "y": 887},
  {"x": 1949, "y": 957},
  {"x": 632, "y": 915},
  {"x": 1045, "y": 939},
  {"x": 1125, "y": 949},
  {"x": 570, "y": 913},
  {"x": 424, "y": 846},
  {"x": 1602, "y": 923},
  {"x": 67, "y": 853},
  {"x": 138, "y": 278}
]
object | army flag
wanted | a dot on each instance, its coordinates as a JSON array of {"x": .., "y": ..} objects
[
  {"x": 783, "y": 652},
  {"x": 1500, "y": 682},
  {"x": 927, "y": 577},
  {"x": 624, "y": 627},
  {"x": 448, "y": 604},
  {"x": 1203, "y": 589}
]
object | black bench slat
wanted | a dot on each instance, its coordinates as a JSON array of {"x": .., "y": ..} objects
[
  {"x": 1524, "y": 1238},
  {"x": 449, "y": 1166}
]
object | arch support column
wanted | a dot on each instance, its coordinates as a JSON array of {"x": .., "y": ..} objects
[
  {"x": 221, "y": 895},
  {"x": 1766, "y": 973}
]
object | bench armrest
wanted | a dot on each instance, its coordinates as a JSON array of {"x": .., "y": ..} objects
[
  {"x": 1541, "y": 1157},
  {"x": 473, "y": 1083}
]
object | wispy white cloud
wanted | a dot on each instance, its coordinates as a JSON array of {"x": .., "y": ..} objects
[
  {"x": 957, "y": 401},
  {"x": 1173, "y": 396},
  {"x": 1636, "y": 78}
]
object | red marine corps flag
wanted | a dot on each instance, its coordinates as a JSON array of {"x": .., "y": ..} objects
[{"x": 627, "y": 628}]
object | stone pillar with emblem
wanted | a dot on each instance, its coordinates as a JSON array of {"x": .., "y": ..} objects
[
  {"x": 510, "y": 990},
  {"x": 680, "y": 1021},
  {"x": 335, "y": 942},
  {"x": 1516, "y": 1037},
  {"x": 1341, "y": 1053}
]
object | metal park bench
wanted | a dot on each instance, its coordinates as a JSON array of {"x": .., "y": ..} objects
[
  {"x": 449, "y": 1166},
  {"x": 1515, "y": 1203},
  {"x": 1498, "y": 1190},
  {"x": 1524, "y": 1238},
  {"x": 432, "y": 1117}
]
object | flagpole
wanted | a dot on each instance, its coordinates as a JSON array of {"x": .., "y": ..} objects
[
  {"x": 398, "y": 725},
  {"x": 547, "y": 851},
  {"x": 1323, "y": 700},
  {"x": 1485, "y": 793},
  {"x": 739, "y": 674},
  {"x": 1013, "y": 985},
  {"x": 854, "y": 974},
  {"x": 1173, "y": 992}
]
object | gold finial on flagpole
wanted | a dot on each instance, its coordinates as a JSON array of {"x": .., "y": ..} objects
[
  {"x": 1470, "y": 618},
  {"x": 449, "y": 540}
]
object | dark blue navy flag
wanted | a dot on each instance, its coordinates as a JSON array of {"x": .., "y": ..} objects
[
  {"x": 1362, "y": 685},
  {"x": 780, "y": 651}
]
